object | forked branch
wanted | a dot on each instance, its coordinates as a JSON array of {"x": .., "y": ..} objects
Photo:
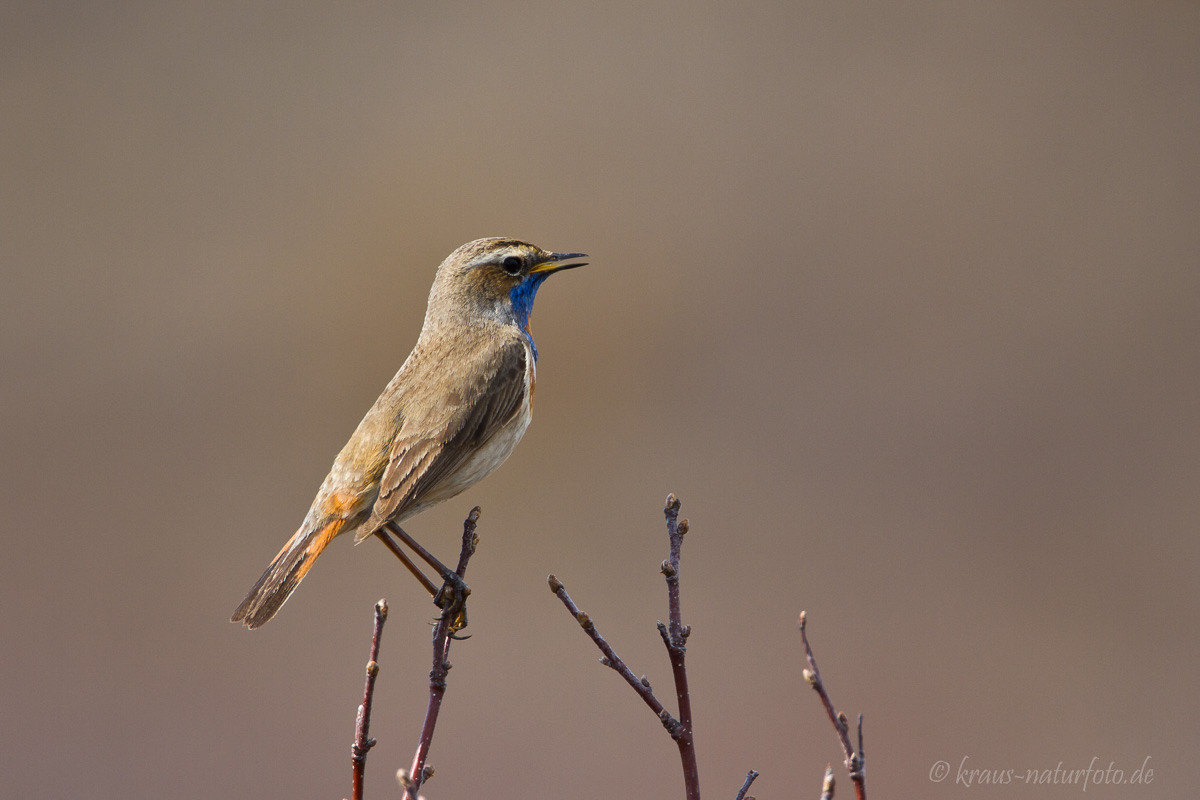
[
  {"x": 855, "y": 759},
  {"x": 362, "y": 741},
  {"x": 674, "y": 635},
  {"x": 443, "y": 635}
]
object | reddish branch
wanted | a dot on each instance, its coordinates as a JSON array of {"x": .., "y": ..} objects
[
  {"x": 855, "y": 759},
  {"x": 611, "y": 659},
  {"x": 674, "y": 635},
  {"x": 362, "y": 742},
  {"x": 442, "y": 636}
]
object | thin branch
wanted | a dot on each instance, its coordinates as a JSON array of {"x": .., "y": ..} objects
[
  {"x": 611, "y": 659},
  {"x": 674, "y": 635},
  {"x": 362, "y": 741},
  {"x": 741, "y": 795},
  {"x": 862, "y": 761},
  {"x": 675, "y": 640},
  {"x": 442, "y": 637},
  {"x": 855, "y": 761}
]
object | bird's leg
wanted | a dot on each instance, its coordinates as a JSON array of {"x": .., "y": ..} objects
[
  {"x": 452, "y": 597},
  {"x": 429, "y": 585},
  {"x": 447, "y": 574}
]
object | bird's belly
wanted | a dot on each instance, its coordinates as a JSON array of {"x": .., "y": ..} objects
[{"x": 491, "y": 455}]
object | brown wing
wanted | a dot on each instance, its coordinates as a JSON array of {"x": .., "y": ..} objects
[{"x": 442, "y": 426}]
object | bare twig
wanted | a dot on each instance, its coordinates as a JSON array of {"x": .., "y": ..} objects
[
  {"x": 855, "y": 760},
  {"x": 675, "y": 638},
  {"x": 362, "y": 742},
  {"x": 611, "y": 659},
  {"x": 674, "y": 635},
  {"x": 442, "y": 636},
  {"x": 741, "y": 795}
]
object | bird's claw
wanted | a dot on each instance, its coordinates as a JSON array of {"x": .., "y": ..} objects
[{"x": 452, "y": 600}]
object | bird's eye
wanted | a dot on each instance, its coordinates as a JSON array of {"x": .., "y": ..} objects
[{"x": 511, "y": 264}]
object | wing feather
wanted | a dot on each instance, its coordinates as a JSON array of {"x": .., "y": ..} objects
[{"x": 439, "y": 433}]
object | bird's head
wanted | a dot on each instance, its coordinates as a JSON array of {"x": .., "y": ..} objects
[{"x": 495, "y": 278}]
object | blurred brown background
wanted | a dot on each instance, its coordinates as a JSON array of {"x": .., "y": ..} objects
[{"x": 900, "y": 299}]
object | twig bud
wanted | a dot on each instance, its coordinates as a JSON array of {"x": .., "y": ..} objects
[
  {"x": 381, "y": 608},
  {"x": 803, "y": 619},
  {"x": 668, "y": 569},
  {"x": 672, "y": 502},
  {"x": 426, "y": 773},
  {"x": 555, "y": 583},
  {"x": 687, "y": 631},
  {"x": 827, "y": 785},
  {"x": 843, "y": 723},
  {"x": 644, "y": 681},
  {"x": 605, "y": 661},
  {"x": 372, "y": 668},
  {"x": 810, "y": 676},
  {"x": 585, "y": 621},
  {"x": 683, "y": 527}
]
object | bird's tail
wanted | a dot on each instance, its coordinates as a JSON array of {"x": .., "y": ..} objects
[{"x": 284, "y": 574}]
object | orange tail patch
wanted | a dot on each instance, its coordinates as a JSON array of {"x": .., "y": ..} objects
[
  {"x": 317, "y": 546},
  {"x": 284, "y": 574}
]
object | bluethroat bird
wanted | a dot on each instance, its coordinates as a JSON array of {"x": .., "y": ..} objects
[{"x": 452, "y": 414}]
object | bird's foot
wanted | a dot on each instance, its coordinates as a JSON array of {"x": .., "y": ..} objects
[{"x": 452, "y": 600}]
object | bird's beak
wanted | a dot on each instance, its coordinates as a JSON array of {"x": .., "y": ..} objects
[{"x": 554, "y": 263}]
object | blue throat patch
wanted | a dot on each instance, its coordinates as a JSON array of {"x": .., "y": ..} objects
[{"x": 522, "y": 304}]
